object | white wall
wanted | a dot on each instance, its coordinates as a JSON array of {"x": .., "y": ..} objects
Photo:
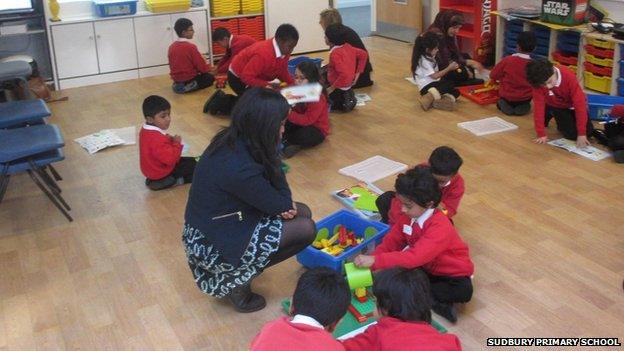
[{"x": 352, "y": 3}]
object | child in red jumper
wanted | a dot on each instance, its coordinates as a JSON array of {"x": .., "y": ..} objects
[
  {"x": 557, "y": 93},
  {"x": 160, "y": 152},
  {"x": 319, "y": 302},
  {"x": 426, "y": 239},
  {"x": 233, "y": 44},
  {"x": 445, "y": 164},
  {"x": 187, "y": 66},
  {"x": 308, "y": 122},
  {"x": 346, "y": 63},
  {"x": 514, "y": 91},
  {"x": 403, "y": 301},
  {"x": 258, "y": 65}
]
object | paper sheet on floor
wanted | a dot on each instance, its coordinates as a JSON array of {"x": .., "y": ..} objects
[
  {"x": 589, "y": 152},
  {"x": 362, "y": 99},
  {"x": 106, "y": 138},
  {"x": 487, "y": 126},
  {"x": 373, "y": 169}
]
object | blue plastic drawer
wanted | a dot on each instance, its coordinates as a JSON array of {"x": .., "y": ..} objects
[
  {"x": 599, "y": 106},
  {"x": 110, "y": 8},
  {"x": 311, "y": 257},
  {"x": 622, "y": 68},
  {"x": 541, "y": 50},
  {"x": 566, "y": 47},
  {"x": 542, "y": 42},
  {"x": 292, "y": 64}
]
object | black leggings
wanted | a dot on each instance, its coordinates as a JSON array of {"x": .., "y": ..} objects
[
  {"x": 566, "y": 122},
  {"x": 297, "y": 234},
  {"x": 450, "y": 289},
  {"x": 185, "y": 169},
  {"x": 305, "y": 136},
  {"x": 443, "y": 86},
  {"x": 236, "y": 84}
]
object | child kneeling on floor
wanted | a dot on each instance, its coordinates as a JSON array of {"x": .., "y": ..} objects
[
  {"x": 434, "y": 91},
  {"x": 188, "y": 68},
  {"x": 426, "y": 239},
  {"x": 308, "y": 122},
  {"x": 160, "y": 153},
  {"x": 404, "y": 302},
  {"x": 320, "y": 300}
]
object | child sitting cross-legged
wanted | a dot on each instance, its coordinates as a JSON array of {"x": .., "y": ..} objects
[
  {"x": 187, "y": 66},
  {"x": 320, "y": 300},
  {"x": 404, "y": 303},
  {"x": 160, "y": 153},
  {"x": 426, "y": 239},
  {"x": 308, "y": 122}
]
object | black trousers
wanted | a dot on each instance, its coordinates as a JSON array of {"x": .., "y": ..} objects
[
  {"x": 203, "y": 80},
  {"x": 364, "y": 80},
  {"x": 236, "y": 84},
  {"x": 450, "y": 289},
  {"x": 185, "y": 169},
  {"x": 305, "y": 136},
  {"x": 566, "y": 122},
  {"x": 383, "y": 203},
  {"x": 516, "y": 103},
  {"x": 342, "y": 100},
  {"x": 443, "y": 86}
]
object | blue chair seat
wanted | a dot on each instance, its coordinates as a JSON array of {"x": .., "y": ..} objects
[
  {"x": 24, "y": 142},
  {"x": 14, "y": 70},
  {"x": 13, "y": 113},
  {"x": 40, "y": 160}
]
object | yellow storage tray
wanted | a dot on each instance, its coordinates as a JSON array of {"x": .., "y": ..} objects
[
  {"x": 222, "y": 8},
  {"x": 598, "y": 83},
  {"x": 601, "y": 43},
  {"x": 252, "y": 6},
  {"x": 167, "y": 5},
  {"x": 573, "y": 68},
  {"x": 599, "y": 61}
]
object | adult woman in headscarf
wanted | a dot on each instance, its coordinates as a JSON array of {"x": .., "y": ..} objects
[
  {"x": 332, "y": 16},
  {"x": 448, "y": 23}
]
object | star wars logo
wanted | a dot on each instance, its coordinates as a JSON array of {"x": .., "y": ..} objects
[{"x": 557, "y": 8}]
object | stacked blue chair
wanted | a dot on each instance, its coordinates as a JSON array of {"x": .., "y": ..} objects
[
  {"x": 31, "y": 149},
  {"x": 16, "y": 70}
]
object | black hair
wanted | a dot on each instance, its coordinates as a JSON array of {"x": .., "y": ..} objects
[
  {"x": 527, "y": 41},
  {"x": 538, "y": 71},
  {"x": 154, "y": 104},
  {"x": 322, "y": 294},
  {"x": 424, "y": 42},
  {"x": 311, "y": 72},
  {"x": 220, "y": 33},
  {"x": 419, "y": 185},
  {"x": 181, "y": 25},
  {"x": 445, "y": 161},
  {"x": 256, "y": 118},
  {"x": 335, "y": 34},
  {"x": 286, "y": 32},
  {"x": 404, "y": 294}
]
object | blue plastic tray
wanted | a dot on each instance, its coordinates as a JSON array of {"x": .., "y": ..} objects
[
  {"x": 621, "y": 68},
  {"x": 621, "y": 86},
  {"x": 311, "y": 257},
  {"x": 111, "y": 8},
  {"x": 571, "y": 48},
  {"x": 599, "y": 106},
  {"x": 292, "y": 64}
]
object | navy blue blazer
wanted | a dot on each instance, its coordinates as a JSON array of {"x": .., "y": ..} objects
[{"x": 228, "y": 197}]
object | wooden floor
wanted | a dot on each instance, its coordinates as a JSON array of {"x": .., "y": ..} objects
[{"x": 544, "y": 227}]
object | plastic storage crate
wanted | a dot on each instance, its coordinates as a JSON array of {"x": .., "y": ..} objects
[
  {"x": 568, "y": 47},
  {"x": 599, "y": 61},
  {"x": 600, "y": 70},
  {"x": 252, "y": 6},
  {"x": 601, "y": 43},
  {"x": 223, "y": 8},
  {"x": 599, "y": 52},
  {"x": 167, "y": 5},
  {"x": 598, "y": 83},
  {"x": 565, "y": 59},
  {"x": 292, "y": 64},
  {"x": 110, "y": 8},
  {"x": 484, "y": 98},
  {"x": 621, "y": 68},
  {"x": 599, "y": 106},
  {"x": 621, "y": 87},
  {"x": 311, "y": 257},
  {"x": 252, "y": 26},
  {"x": 229, "y": 24}
]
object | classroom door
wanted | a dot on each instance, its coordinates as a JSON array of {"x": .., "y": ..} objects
[{"x": 398, "y": 19}]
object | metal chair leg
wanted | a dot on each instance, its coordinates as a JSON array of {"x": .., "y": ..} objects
[
  {"x": 55, "y": 173},
  {"x": 4, "y": 180},
  {"x": 45, "y": 177},
  {"x": 50, "y": 195}
]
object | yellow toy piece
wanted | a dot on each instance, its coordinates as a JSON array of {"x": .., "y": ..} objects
[
  {"x": 360, "y": 292},
  {"x": 317, "y": 244}
]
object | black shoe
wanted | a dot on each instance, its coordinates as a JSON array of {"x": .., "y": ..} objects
[
  {"x": 161, "y": 184},
  {"x": 245, "y": 301},
  {"x": 213, "y": 100},
  {"x": 522, "y": 109},
  {"x": 618, "y": 156},
  {"x": 349, "y": 101},
  {"x": 505, "y": 107},
  {"x": 446, "y": 310},
  {"x": 600, "y": 137},
  {"x": 291, "y": 150}
]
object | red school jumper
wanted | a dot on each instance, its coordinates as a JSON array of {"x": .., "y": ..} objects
[
  {"x": 394, "y": 334},
  {"x": 237, "y": 44},
  {"x": 282, "y": 335},
  {"x": 158, "y": 153},
  {"x": 344, "y": 62},
  {"x": 261, "y": 63},
  {"x": 567, "y": 93},
  {"x": 510, "y": 72},
  {"x": 436, "y": 247},
  {"x": 314, "y": 114},
  {"x": 185, "y": 61}
]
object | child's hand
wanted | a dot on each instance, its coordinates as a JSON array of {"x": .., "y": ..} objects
[
  {"x": 453, "y": 66},
  {"x": 357, "y": 76},
  {"x": 176, "y": 138},
  {"x": 581, "y": 141},
  {"x": 330, "y": 89},
  {"x": 364, "y": 261},
  {"x": 290, "y": 214},
  {"x": 541, "y": 140},
  {"x": 213, "y": 71}
]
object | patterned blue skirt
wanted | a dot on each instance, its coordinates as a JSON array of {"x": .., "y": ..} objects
[{"x": 213, "y": 275}]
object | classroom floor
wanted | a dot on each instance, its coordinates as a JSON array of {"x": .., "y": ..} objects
[{"x": 544, "y": 226}]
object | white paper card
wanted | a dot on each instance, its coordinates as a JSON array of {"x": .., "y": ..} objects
[
  {"x": 373, "y": 169},
  {"x": 487, "y": 126},
  {"x": 98, "y": 141},
  {"x": 302, "y": 93},
  {"x": 589, "y": 152}
]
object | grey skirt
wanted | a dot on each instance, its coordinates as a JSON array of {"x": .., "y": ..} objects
[{"x": 216, "y": 277}]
